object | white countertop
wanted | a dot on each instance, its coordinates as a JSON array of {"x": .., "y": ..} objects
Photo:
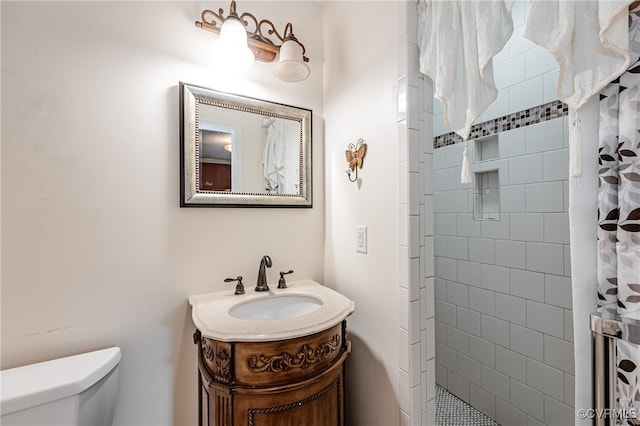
[{"x": 210, "y": 313}]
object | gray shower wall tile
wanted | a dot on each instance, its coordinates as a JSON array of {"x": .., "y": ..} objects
[
  {"x": 526, "y": 342},
  {"x": 482, "y": 250},
  {"x": 510, "y": 308},
  {"x": 512, "y": 199},
  {"x": 468, "y": 321},
  {"x": 547, "y": 380},
  {"x": 457, "y": 340},
  {"x": 470, "y": 273},
  {"x": 447, "y": 357},
  {"x": 526, "y": 94},
  {"x": 569, "y": 390},
  {"x": 527, "y": 226},
  {"x": 482, "y": 400},
  {"x": 568, "y": 325},
  {"x": 440, "y": 202},
  {"x": 439, "y": 159},
  {"x": 445, "y": 179},
  {"x": 496, "y": 229},
  {"x": 483, "y": 301},
  {"x": 445, "y": 312},
  {"x": 453, "y": 154},
  {"x": 511, "y": 363},
  {"x": 440, "y": 289},
  {"x": 495, "y": 330},
  {"x": 469, "y": 369},
  {"x": 445, "y": 224},
  {"x": 457, "y": 294},
  {"x": 506, "y": 414},
  {"x": 457, "y": 248},
  {"x": 545, "y": 318},
  {"x": 510, "y": 253},
  {"x": 482, "y": 350},
  {"x": 556, "y": 164},
  {"x": 544, "y": 136},
  {"x": 525, "y": 169},
  {"x": 527, "y": 399},
  {"x": 458, "y": 201},
  {"x": 544, "y": 197},
  {"x": 495, "y": 382},
  {"x": 527, "y": 284},
  {"x": 459, "y": 386},
  {"x": 556, "y": 228},
  {"x": 557, "y": 413},
  {"x": 558, "y": 353},
  {"x": 467, "y": 226},
  {"x": 441, "y": 375},
  {"x": 502, "y": 166},
  {"x": 440, "y": 245},
  {"x": 441, "y": 332},
  {"x": 548, "y": 258},
  {"x": 446, "y": 268},
  {"x": 567, "y": 260},
  {"x": 496, "y": 278},
  {"x": 533, "y": 422},
  {"x": 557, "y": 291},
  {"x": 512, "y": 143}
]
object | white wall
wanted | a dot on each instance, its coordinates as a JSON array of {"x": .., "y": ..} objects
[
  {"x": 359, "y": 102},
  {"x": 96, "y": 251}
]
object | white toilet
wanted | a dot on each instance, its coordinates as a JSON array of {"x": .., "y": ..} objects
[{"x": 76, "y": 390}]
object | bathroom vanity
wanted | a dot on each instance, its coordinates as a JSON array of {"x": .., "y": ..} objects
[{"x": 272, "y": 359}]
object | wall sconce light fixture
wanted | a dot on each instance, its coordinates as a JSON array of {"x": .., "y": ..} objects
[
  {"x": 238, "y": 43},
  {"x": 355, "y": 157}
]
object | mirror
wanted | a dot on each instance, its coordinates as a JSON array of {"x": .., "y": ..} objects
[{"x": 242, "y": 152}]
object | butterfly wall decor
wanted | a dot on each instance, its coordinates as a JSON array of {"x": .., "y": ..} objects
[{"x": 355, "y": 157}]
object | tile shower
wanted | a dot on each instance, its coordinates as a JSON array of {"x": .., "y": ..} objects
[{"x": 502, "y": 282}]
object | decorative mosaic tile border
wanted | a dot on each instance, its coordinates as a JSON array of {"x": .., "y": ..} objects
[{"x": 527, "y": 117}]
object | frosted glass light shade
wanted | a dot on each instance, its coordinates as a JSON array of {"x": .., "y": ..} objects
[
  {"x": 231, "y": 47},
  {"x": 291, "y": 66}
]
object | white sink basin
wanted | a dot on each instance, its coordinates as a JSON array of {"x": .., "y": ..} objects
[
  {"x": 275, "y": 308},
  {"x": 304, "y": 308}
]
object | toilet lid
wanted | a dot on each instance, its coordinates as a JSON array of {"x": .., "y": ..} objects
[{"x": 36, "y": 384}]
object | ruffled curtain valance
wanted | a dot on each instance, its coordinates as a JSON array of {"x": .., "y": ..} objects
[{"x": 458, "y": 40}]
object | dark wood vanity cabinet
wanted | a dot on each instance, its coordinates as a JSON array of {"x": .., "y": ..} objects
[{"x": 291, "y": 382}]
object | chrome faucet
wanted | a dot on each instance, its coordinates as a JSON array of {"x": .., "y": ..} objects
[{"x": 261, "y": 285}]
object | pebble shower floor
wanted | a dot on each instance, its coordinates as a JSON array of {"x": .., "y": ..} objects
[{"x": 452, "y": 411}]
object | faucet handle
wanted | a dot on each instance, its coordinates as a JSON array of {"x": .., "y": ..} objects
[
  {"x": 281, "y": 282},
  {"x": 239, "y": 286}
]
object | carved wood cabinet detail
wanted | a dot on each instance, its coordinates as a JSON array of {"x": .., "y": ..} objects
[{"x": 289, "y": 382}]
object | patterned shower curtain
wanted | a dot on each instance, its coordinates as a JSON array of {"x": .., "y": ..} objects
[{"x": 619, "y": 213}]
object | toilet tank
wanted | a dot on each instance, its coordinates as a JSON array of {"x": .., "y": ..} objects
[{"x": 76, "y": 390}]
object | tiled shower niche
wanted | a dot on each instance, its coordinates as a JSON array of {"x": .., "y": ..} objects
[
  {"x": 486, "y": 186},
  {"x": 486, "y": 196}
]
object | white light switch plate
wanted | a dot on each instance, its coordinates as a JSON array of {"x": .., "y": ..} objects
[{"x": 361, "y": 238}]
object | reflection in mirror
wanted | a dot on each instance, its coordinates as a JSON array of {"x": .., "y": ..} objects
[
  {"x": 239, "y": 151},
  {"x": 215, "y": 160}
]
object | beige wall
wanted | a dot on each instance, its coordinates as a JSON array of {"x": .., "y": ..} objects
[
  {"x": 359, "y": 102},
  {"x": 95, "y": 249}
]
